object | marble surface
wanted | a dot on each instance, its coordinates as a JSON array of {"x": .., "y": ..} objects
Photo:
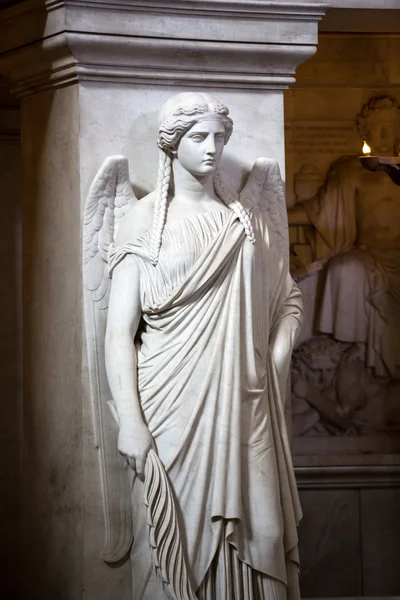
[
  {"x": 132, "y": 121},
  {"x": 380, "y": 518},
  {"x": 206, "y": 44},
  {"x": 329, "y": 544},
  {"x": 349, "y": 542},
  {"x": 52, "y": 461},
  {"x": 348, "y": 446}
]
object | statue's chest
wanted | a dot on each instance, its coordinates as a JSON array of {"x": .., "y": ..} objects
[{"x": 175, "y": 263}]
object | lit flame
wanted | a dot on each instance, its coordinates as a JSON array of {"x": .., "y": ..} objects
[{"x": 366, "y": 149}]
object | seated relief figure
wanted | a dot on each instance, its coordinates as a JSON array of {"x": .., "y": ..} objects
[
  {"x": 355, "y": 238},
  {"x": 202, "y": 318},
  {"x": 346, "y": 379}
]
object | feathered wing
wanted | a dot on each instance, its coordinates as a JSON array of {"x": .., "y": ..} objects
[
  {"x": 265, "y": 189},
  {"x": 109, "y": 198}
]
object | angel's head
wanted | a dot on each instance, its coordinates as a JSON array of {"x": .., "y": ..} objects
[{"x": 193, "y": 130}]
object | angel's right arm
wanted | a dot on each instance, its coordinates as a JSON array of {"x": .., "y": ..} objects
[{"x": 124, "y": 314}]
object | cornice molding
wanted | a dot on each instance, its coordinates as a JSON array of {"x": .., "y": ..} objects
[
  {"x": 252, "y": 9},
  {"x": 246, "y": 44},
  {"x": 355, "y": 477},
  {"x": 72, "y": 57}
]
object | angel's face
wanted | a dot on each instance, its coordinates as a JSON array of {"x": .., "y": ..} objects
[{"x": 200, "y": 149}]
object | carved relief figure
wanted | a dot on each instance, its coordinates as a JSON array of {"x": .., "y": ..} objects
[
  {"x": 334, "y": 393},
  {"x": 355, "y": 237},
  {"x": 202, "y": 318}
]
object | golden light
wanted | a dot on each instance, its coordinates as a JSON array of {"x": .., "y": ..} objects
[{"x": 366, "y": 149}]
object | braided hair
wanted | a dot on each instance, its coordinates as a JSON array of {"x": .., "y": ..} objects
[
  {"x": 176, "y": 117},
  {"x": 231, "y": 199},
  {"x": 160, "y": 205}
]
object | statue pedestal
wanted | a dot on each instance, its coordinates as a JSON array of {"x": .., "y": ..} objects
[{"x": 91, "y": 77}]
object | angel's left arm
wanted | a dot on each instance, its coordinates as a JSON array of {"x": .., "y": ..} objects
[{"x": 285, "y": 330}]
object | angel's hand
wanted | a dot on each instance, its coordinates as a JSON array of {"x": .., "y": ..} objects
[{"x": 134, "y": 442}]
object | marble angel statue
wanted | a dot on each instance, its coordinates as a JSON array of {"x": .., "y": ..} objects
[{"x": 202, "y": 319}]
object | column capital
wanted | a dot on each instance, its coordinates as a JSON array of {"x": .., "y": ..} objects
[{"x": 246, "y": 44}]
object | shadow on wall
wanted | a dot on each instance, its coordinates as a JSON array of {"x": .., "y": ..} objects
[{"x": 10, "y": 342}]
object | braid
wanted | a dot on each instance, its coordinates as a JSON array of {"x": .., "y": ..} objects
[
  {"x": 160, "y": 205},
  {"x": 231, "y": 199}
]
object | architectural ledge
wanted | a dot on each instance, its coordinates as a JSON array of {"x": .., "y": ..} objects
[
  {"x": 372, "y": 476},
  {"x": 247, "y": 44}
]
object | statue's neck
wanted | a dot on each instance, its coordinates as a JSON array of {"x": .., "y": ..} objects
[{"x": 192, "y": 188}]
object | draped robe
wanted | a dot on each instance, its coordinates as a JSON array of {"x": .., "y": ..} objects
[{"x": 209, "y": 393}]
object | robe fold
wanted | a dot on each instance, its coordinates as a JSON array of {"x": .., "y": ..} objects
[{"x": 209, "y": 389}]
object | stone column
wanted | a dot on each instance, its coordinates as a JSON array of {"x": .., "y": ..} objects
[{"x": 91, "y": 77}]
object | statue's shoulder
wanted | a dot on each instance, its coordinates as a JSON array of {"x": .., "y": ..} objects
[
  {"x": 137, "y": 221},
  {"x": 346, "y": 165}
]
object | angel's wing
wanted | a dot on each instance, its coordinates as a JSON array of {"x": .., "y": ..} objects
[
  {"x": 265, "y": 188},
  {"x": 110, "y": 196}
]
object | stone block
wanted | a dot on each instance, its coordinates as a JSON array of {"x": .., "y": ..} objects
[
  {"x": 380, "y": 540},
  {"x": 330, "y": 544}
]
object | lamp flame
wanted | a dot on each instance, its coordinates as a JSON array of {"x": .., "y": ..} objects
[{"x": 366, "y": 149}]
